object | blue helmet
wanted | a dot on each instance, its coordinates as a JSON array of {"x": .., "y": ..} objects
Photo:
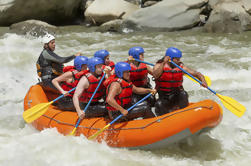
[
  {"x": 92, "y": 62},
  {"x": 101, "y": 54},
  {"x": 173, "y": 52},
  {"x": 79, "y": 61},
  {"x": 120, "y": 67},
  {"x": 135, "y": 52}
]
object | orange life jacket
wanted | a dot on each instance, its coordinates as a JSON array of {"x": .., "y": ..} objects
[
  {"x": 93, "y": 83},
  {"x": 138, "y": 75},
  {"x": 170, "y": 79},
  {"x": 124, "y": 98}
]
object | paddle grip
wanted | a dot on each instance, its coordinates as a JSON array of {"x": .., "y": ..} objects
[{"x": 132, "y": 107}]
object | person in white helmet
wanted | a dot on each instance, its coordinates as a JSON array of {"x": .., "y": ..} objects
[{"x": 49, "y": 64}]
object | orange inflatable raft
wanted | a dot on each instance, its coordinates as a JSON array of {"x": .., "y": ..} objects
[{"x": 151, "y": 133}]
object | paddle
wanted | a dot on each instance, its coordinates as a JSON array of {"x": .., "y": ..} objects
[
  {"x": 79, "y": 120},
  {"x": 231, "y": 104},
  {"x": 100, "y": 131},
  {"x": 38, "y": 110},
  {"x": 208, "y": 80}
]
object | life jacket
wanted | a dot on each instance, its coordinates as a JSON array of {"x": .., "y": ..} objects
[
  {"x": 108, "y": 81},
  {"x": 124, "y": 98},
  {"x": 111, "y": 64},
  {"x": 138, "y": 75},
  {"x": 93, "y": 83},
  {"x": 170, "y": 79},
  {"x": 48, "y": 69},
  {"x": 81, "y": 73},
  {"x": 76, "y": 77},
  {"x": 68, "y": 68}
]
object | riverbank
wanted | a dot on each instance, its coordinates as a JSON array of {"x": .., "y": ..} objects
[{"x": 213, "y": 16}]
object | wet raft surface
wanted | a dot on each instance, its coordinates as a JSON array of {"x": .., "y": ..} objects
[{"x": 149, "y": 133}]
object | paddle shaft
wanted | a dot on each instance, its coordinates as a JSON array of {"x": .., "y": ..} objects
[
  {"x": 131, "y": 107},
  {"x": 39, "y": 109},
  {"x": 79, "y": 120},
  {"x": 192, "y": 76},
  {"x": 223, "y": 99},
  {"x": 207, "y": 78},
  {"x": 63, "y": 95},
  {"x": 144, "y": 62},
  {"x": 100, "y": 131}
]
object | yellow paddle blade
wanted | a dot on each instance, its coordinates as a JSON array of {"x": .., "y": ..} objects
[
  {"x": 232, "y": 105},
  {"x": 208, "y": 80},
  {"x": 35, "y": 112},
  {"x": 97, "y": 133},
  {"x": 73, "y": 131}
]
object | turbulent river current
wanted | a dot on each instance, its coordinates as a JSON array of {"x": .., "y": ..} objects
[{"x": 225, "y": 58}]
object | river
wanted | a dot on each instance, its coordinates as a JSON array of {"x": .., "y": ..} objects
[{"x": 225, "y": 58}]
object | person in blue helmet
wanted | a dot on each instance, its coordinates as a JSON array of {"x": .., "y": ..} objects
[
  {"x": 105, "y": 56},
  {"x": 169, "y": 79},
  {"x": 119, "y": 91},
  {"x": 139, "y": 73},
  {"x": 86, "y": 88},
  {"x": 49, "y": 64},
  {"x": 69, "y": 80}
]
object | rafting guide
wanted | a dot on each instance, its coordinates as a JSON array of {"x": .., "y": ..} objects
[{"x": 49, "y": 64}]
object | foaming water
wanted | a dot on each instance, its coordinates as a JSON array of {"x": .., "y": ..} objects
[{"x": 224, "y": 58}]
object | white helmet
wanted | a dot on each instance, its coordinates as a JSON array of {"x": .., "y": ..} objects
[{"x": 47, "y": 38}]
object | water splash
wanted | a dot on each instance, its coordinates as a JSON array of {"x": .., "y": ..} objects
[{"x": 224, "y": 58}]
